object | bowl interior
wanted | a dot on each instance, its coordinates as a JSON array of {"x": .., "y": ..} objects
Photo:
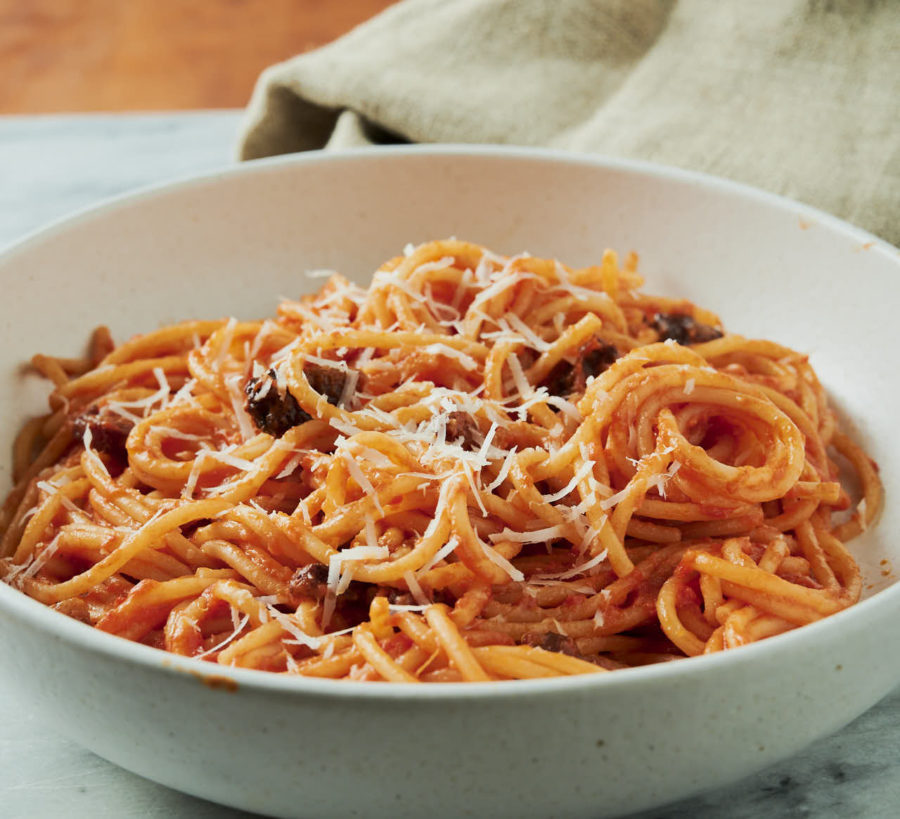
[{"x": 234, "y": 243}]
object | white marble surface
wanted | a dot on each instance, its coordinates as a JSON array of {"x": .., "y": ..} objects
[{"x": 51, "y": 166}]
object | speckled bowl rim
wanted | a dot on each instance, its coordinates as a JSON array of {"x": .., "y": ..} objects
[{"x": 824, "y": 631}]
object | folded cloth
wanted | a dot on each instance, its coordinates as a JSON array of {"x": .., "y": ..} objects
[{"x": 801, "y": 97}]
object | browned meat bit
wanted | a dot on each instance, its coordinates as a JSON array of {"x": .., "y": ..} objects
[
  {"x": 399, "y": 598},
  {"x": 350, "y": 608},
  {"x": 189, "y": 528},
  {"x": 684, "y": 329},
  {"x": 271, "y": 406},
  {"x": 309, "y": 582},
  {"x": 551, "y": 641},
  {"x": 275, "y": 410},
  {"x": 109, "y": 430},
  {"x": 461, "y": 429},
  {"x": 561, "y": 379},
  {"x": 327, "y": 381},
  {"x": 396, "y": 597},
  {"x": 594, "y": 357}
]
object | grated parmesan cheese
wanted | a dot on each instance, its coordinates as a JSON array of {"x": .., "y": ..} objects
[
  {"x": 441, "y": 554},
  {"x": 660, "y": 481},
  {"x": 236, "y": 397},
  {"x": 224, "y": 455},
  {"x": 87, "y": 439},
  {"x": 344, "y": 582},
  {"x": 583, "y": 471},
  {"x": 415, "y": 589},
  {"x": 534, "y": 536},
  {"x": 291, "y": 465},
  {"x": 533, "y": 339},
  {"x": 616, "y": 499},
  {"x": 364, "y": 483},
  {"x": 504, "y": 470},
  {"x": 581, "y": 568},
  {"x": 225, "y": 346},
  {"x": 451, "y": 352},
  {"x": 521, "y": 382},
  {"x": 238, "y": 627},
  {"x": 187, "y": 491},
  {"x": 37, "y": 563},
  {"x": 498, "y": 559}
]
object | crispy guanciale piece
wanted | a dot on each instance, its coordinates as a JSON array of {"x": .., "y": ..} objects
[
  {"x": 594, "y": 357},
  {"x": 109, "y": 431},
  {"x": 551, "y": 641},
  {"x": 327, "y": 381},
  {"x": 683, "y": 329},
  {"x": 272, "y": 407},
  {"x": 309, "y": 582},
  {"x": 461, "y": 428}
]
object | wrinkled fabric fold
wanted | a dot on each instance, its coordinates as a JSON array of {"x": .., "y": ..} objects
[{"x": 800, "y": 97}]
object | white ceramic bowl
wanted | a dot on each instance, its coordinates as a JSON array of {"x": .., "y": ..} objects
[{"x": 232, "y": 243}]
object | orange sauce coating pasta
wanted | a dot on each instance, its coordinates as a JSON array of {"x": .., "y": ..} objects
[{"x": 479, "y": 468}]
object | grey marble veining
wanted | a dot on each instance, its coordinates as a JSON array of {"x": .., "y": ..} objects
[{"x": 53, "y": 165}]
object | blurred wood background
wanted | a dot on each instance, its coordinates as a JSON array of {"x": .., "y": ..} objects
[{"x": 150, "y": 55}]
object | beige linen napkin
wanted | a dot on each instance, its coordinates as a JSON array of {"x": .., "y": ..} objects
[{"x": 801, "y": 97}]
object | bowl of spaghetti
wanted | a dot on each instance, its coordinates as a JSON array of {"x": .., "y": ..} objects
[{"x": 335, "y": 513}]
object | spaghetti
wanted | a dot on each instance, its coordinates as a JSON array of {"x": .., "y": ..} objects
[{"x": 481, "y": 467}]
